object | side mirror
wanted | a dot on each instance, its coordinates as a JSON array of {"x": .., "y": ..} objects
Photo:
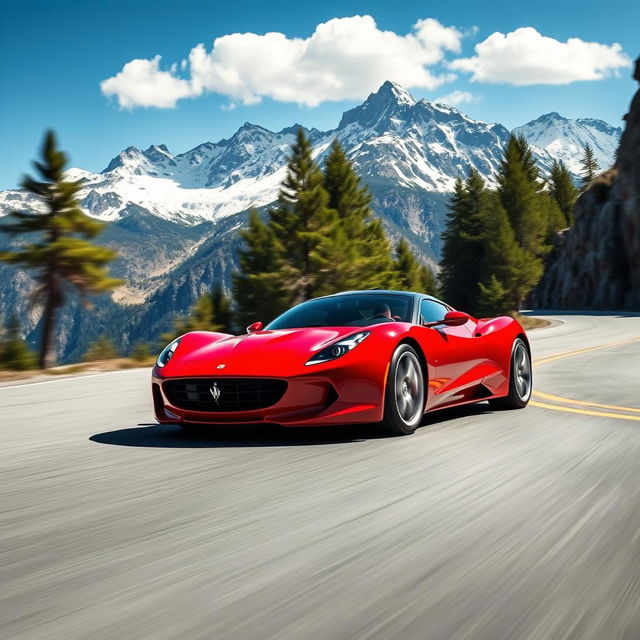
[
  {"x": 256, "y": 326},
  {"x": 455, "y": 318},
  {"x": 451, "y": 319}
]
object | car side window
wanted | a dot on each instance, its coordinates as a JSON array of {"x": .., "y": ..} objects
[{"x": 431, "y": 311}]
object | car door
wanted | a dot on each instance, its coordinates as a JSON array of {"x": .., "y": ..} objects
[{"x": 455, "y": 356}]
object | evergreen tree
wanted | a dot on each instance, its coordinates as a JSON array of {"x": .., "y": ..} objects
[
  {"x": 464, "y": 242},
  {"x": 222, "y": 317},
  {"x": 63, "y": 254},
  {"x": 429, "y": 282},
  {"x": 589, "y": 164},
  {"x": 302, "y": 218},
  {"x": 261, "y": 288},
  {"x": 211, "y": 312},
  {"x": 15, "y": 354},
  {"x": 519, "y": 190},
  {"x": 556, "y": 219},
  {"x": 508, "y": 272},
  {"x": 493, "y": 299},
  {"x": 101, "y": 349},
  {"x": 377, "y": 268},
  {"x": 412, "y": 275},
  {"x": 320, "y": 238},
  {"x": 347, "y": 195},
  {"x": 563, "y": 190},
  {"x": 141, "y": 352}
]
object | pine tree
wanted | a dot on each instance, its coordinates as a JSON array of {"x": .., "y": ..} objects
[
  {"x": 464, "y": 242},
  {"x": 347, "y": 195},
  {"x": 412, "y": 275},
  {"x": 589, "y": 164},
  {"x": 261, "y": 287},
  {"x": 563, "y": 190},
  {"x": 505, "y": 261},
  {"x": 555, "y": 217},
  {"x": 141, "y": 352},
  {"x": 320, "y": 238},
  {"x": 493, "y": 299},
  {"x": 15, "y": 354},
  {"x": 519, "y": 189},
  {"x": 302, "y": 218},
  {"x": 429, "y": 282},
  {"x": 222, "y": 316},
  {"x": 377, "y": 268},
  {"x": 408, "y": 268},
  {"x": 101, "y": 349},
  {"x": 63, "y": 254}
]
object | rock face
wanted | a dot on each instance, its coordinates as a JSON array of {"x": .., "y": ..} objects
[{"x": 596, "y": 263}]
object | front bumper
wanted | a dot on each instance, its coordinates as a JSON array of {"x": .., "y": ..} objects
[{"x": 340, "y": 396}]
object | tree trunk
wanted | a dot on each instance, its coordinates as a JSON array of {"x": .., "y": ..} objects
[{"x": 47, "y": 347}]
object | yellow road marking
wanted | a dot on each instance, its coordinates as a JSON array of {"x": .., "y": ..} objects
[
  {"x": 582, "y": 403},
  {"x": 588, "y": 412},
  {"x": 567, "y": 354}
]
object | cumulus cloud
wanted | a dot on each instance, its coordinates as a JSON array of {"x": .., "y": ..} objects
[
  {"x": 344, "y": 58},
  {"x": 142, "y": 83},
  {"x": 524, "y": 57},
  {"x": 457, "y": 97}
]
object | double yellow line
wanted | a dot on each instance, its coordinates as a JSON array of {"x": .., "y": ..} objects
[{"x": 575, "y": 404}]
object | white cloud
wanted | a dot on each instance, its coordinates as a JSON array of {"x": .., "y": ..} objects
[
  {"x": 525, "y": 57},
  {"x": 456, "y": 97},
  {"x": 141, "y": 83},
  {"x": 344, "y": 58}
]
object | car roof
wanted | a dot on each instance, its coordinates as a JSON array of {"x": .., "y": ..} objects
[{"x": 384, "y": 291}]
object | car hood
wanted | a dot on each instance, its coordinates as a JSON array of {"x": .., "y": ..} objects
[{"x": 282, "y": 352}]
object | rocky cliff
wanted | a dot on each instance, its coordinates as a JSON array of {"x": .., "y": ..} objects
[{"x": 596, "y": 263}]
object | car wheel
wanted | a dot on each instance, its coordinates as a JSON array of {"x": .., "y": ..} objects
[
  {"x": 520, "y": 379},
  {"x": 405, "y": 392}
]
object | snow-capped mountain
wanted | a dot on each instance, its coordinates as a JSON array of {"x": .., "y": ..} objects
[
  {"x": 175, "y": 217},
  {"x": 392, "y": 138},
  {"x": 565, "y": 139},
  {"x": 416, "y": 142}
]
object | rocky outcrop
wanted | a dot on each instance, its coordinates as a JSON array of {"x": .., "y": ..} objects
[{"x": 596, "y": 263}]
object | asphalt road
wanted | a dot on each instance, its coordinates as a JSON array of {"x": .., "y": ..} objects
[{"x": 483, "y": 525}]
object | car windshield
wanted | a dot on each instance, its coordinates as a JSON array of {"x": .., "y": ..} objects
[{"x": 357, "y": 310}]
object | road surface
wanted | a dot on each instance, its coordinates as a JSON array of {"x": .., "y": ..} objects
[{"x": 483, "y": 525}]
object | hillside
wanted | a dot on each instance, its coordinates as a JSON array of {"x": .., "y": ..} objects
[{"x": 596, "y": 263}]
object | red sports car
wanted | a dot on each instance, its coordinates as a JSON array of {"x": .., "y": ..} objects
[{"x": 354, "y": 357}]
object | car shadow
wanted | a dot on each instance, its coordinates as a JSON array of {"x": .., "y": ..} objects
[{"x": 172, "y": 436}]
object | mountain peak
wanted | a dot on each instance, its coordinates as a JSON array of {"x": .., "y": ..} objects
[
  {"x": 393, "y": 91},
  {"x": 388, "y": 100}
]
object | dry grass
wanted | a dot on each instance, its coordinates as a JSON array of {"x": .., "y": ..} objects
[
  {"x": 80, "y": 367},
  {"x": 528, "y": 322}
]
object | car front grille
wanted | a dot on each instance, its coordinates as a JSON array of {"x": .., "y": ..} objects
[{"x": 224, "y": 394}]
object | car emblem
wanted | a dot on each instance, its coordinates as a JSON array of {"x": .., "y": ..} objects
[
  {"x": 215, "y": 392},
  {"x": 221, "y": 366}
]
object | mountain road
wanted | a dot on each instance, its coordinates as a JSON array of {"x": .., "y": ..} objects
[{"x": 482, "y": 525}]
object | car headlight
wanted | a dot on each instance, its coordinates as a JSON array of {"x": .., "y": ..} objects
[
  {"x": 338, "y": 349},
  {"x": 167, "y": 353}
]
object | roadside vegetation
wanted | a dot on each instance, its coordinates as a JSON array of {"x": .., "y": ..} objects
[
  {"x": 60, "y": 255},
  {"x": 501, "y": 236}
]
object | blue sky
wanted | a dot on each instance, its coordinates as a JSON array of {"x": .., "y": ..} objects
[{"x": 54, "y": 56}]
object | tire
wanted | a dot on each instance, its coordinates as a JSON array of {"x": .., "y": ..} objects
[
  {"x": 404, "y": 396},
  {"x": 520, "y": 379}
]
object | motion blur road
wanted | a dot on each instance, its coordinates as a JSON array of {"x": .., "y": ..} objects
[{"x": 483, "y": 525}]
